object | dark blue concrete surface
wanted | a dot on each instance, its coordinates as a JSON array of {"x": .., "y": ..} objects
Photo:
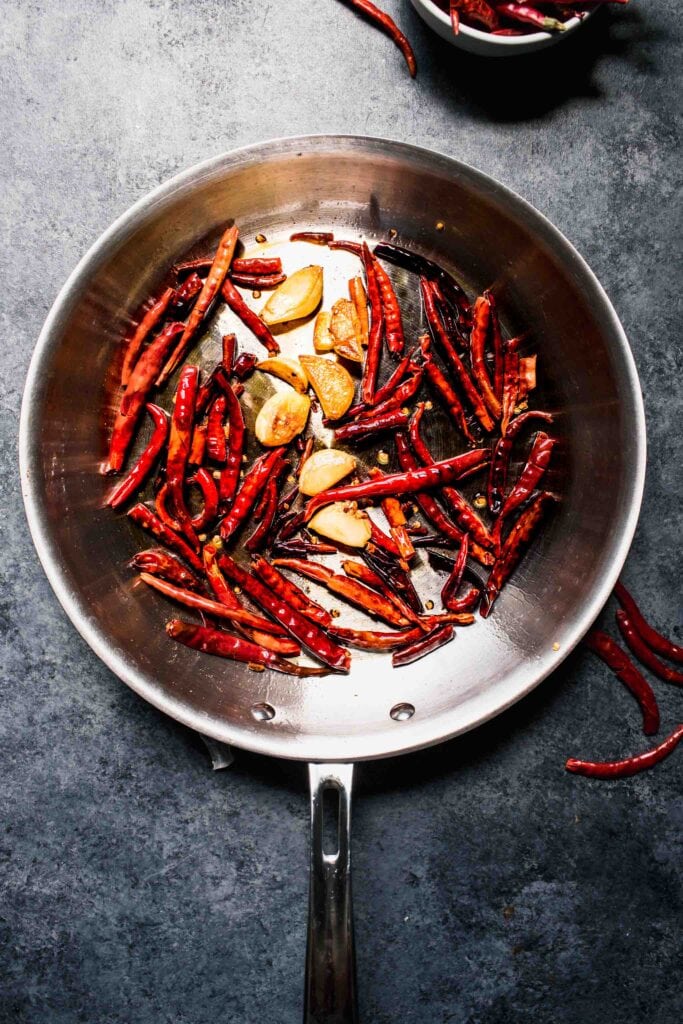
[{"x": 491, "y": 887}]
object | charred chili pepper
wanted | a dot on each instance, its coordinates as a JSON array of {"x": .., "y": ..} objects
[
  {"x": 249, "y": 318},
  {"x": 370, "y": 640},
  {"x": 372, "y": 603},
  {"x": 138, "y": 473},
  {"x": 133, "y": 402},
  {"x": 215, "y": 430},
  {"x": 643, "y": 652},
  {"x": 624, "y": 669},
  {"x": 452, "y": 584},
  {"x": 393, "y": 323},
  {"x": 262, "y": 266},
  {"x": 652, "y": 638},
  {"x": 150, "y": 320},
  {"x": 630, "y": 765},
  {"x": 425, "y": 645},
  {"x": 233, "y": 463},
  {"x": 371, "y": 367},
  {"x": 314, "y": 237},
  {"x": 159, "y": 562},
  {"x": 200, "y": 266},
  {"x": 393, "y": 419},
  {"x": 445, "y": 392},
  {"x": 396, "y": 576},
  {"x": 214, "y": 641},
  {"x": 248, "y": 494},
  {"x": 210, "y": 289},
  {"x": 289, "y": 592},
  {"x": 179, "y": 441},
  {"x": 256, "y": 281},
  {"x": 415, "y": 481},
  {"x": 145, "y": 518},
  {"x": 529, "y": 479},
  {"x": 501, "y": 457},
  {"x": 309, "y": 634},
  {"x": 481, "y": 324},
  {"x": 185, "y": 293},
  {"x": 513, "y": 549},
  {"x": 423, "y": 267},
  {"x": 388, "y": 25}
]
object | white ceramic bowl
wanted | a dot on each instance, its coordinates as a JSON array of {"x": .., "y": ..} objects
[{"x": 484, "y": 43}]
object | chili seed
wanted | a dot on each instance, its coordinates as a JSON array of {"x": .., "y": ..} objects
[
  {"x": 237, "y": 590},
  {"x": 392, "y": 232},
  {"x": 335, "y": 613},
  {"x": 556, "y": 646},
  {"x": 383, "y": 458},
  {"x": 440, "y": 225},
  {"x": 216, "y": 474},
  {"x": 429, "y": 605},
  {"x": 261, "y": 238},
  {"x": 255, "y": 667},
  {"x": 256, "y": 295},
  {"x": 479, "y": 501},
  {"x": 429, "y": 405},
  {"x": 201, "y": 537}
]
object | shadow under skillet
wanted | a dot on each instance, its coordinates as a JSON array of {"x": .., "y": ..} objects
[{"x": 529, "y": 86}]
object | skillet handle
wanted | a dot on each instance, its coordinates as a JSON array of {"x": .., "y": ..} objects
[{"x": 330, "y": 957}]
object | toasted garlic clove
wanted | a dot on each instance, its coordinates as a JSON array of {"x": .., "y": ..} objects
[
  {"x": 281, "y": 418},
  {"x": 322, "y": 339},
  {"x": 332, "y": 384},
  {"x": 324, "y": 469},
  {"x": 287, "y": 369},
  {"x": 345, "y": 329},
  {"x": 344, "y": 522},
  {"x": 296, "y": 297}
]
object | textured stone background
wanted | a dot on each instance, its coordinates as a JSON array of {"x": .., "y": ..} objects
[{"x": 491, "y": 888}]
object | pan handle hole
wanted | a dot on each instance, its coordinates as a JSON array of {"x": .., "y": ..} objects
[
  {"x": 263, "y": 712},
  {"x": 330, "y": 823},
  {"x": 402, "y": 712}
]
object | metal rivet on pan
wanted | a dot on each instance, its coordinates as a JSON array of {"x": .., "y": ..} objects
[
  {"x": 402, "y": 712},
  {"x": 263, "y": 712}
]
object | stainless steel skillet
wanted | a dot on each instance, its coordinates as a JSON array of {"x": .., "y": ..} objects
[{"x": 491, "y": 237}]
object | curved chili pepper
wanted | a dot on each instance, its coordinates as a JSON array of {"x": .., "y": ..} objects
[
  {"x": 200, "y": 266},
  {"x": 249, "y": 318},
  {"x": 392, "y": 419},
  {"x": 185, "y": 292},
  {"x": 367, "y": 575},
  {"x": 388, "y": 25},
  {"x": 353, "y": 247},
  {"x": 481, "y": 12},
  {"x": 426, "y": 502},
  {"x": 643, "y": 652},
  {"x": 159, "y": 562},
  {"x": 396, "y": 576},
  {"x": 259, "y": 265},
  {"x": 289, "y": 592},
  {"x": 151, "y": 318},
  {"x": 454, "y": 361},
  {"x": 258, "y": 537},
  {"x": 248, "y": 494},
  {"x": 393, "y": 322},
  {"x": 452, "y": 584},
  {"x": 370, "y": 640},
  {"x": 215, "y": 430},
  {"x": 624, "y": 669},
  {"x": 501, "y": 457},
  {"x": 425, "y": 645},
  {"x": 403, "y": 394},
  {"x": 198, "y": 446},
  {"x": 389, "y": 388},
  {"x": 530, "y": 16},
  {"x": 371, "y": 367},
  {"x": 510, "y": 385},
  {"x": 513, "y": 549},
  {"x": 145, "y": 518},
  {"x": 308, "y": 633},
  {"x": 138, "y": 473},
  {"x": 179, "y": 441},
  {"x": 233, "y": 464},
  {"x": 314, "y": 237},
  {"x": 256, "y": 281},
  {"x": 355, "y": 593},
  {"x": 209, "y": 513},
  {"x": 133, "y": 402},
  {"x": 445, "y": 392},
  {"x": 480, "y": 330},
  {"x": 439, "y": 474},
  {"x": 229, "y": 348},
  {"x": 467, "y": 602},
  {"x": 630, "y": 765},
  {"x": 210, "y": 289},
  {"x": 652, "y": 638},
  {"x": 214, "y": 641},
  {"x": 453, "y": 293},
  {"x": 528, "y": 480}
]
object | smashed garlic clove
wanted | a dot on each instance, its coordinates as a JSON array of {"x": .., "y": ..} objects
[
  {"x": 296, "y": 297},
  {"x": 324, "y": 469},
  {"x": 345, "y": 329},
  {"x": 288, "y": 369},
  {"x": 331, "y": 382},
  {"x": 281, "y": 418},
  {"x": 344, "y": 522},
  {"x": 322, "y": 339}
]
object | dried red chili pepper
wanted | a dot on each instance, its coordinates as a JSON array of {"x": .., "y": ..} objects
[
  {"x": 389, "y": 388},
  {"x": 403, "y": 394},
  {"x": 367, "y": 575},
  {"x": 529, "y": 16},
  {"x": 145, "y": 518},
  {"x": 210, "y": 289},
  {"x": 393, "y": 322},
  {"x": 200, "y": 266},
  {"x": 527, "y": 376},
  {"x": 308, "y": 633},
  {"x": 248, "y": 494},
  {"x": 209, "y": 513},
  {"x": 259, "y": 265},
  {"x": 214, "y": 608},
  {"x": 397, "y": 521},
  {"x": 501, "y": 457},
  {"x": 138, "y": 473},
  {"x": 244, "y": 365},
  {"x": 513, "y": 549},
  {"x": 289, "y": 592},
  {"x": 497, "y": 344},
  {"x": 233, "y": 463},
  {"x": 624, "y": 669},
  {"x": 256, "y": 281},
  {"x": 481, "y": 12},
  {"x": 159, "y": 562},
  {"x": 643, "y": 652},
  {"x": 388, "y": 25},
  {"x": 260, "y": 534},
  {"x": 179, "y": 441},
  {"x": 510, "y": 385},
  {"x": 528, "y": 480},
  {"x": 480, "y": 331},
  {"x": 467, "y": 602},
  {"x": 630, "y": 765},
  {"x": 425, "y": 478},
  {"x": 249, "y": 318},
  {"x": 370, "y": 640},
  {"x": 371, "y": 367},
  {"x": 451, "y": 291},
  {"x": 198, "y": 446},
  {"x": 299, "y": 548},
  {"x": 185, "y": 293},
  {"x": 652, "y": 638},
  {"x": 314, "y": 237},
  {"x": 425, "y": 645},
  {"x": 305, "y": 456},
  {"x": 133, "y": 402},
  {"x": 426, "y": 502},
  {"x": 214, "y": 641},
  {"x": 150, "y": 320},
  {"x": 372, "y": 603},
  {"x": 229, "y": 348},
  {"x": 215, "y": 430},
  {"x": 454, "y": 16},
  {"x": 393, "y": 419},
  {"x": 452, "y": 584},
  {"x": 445, "y": 392},
  {"x": 356, "y": 248}
]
